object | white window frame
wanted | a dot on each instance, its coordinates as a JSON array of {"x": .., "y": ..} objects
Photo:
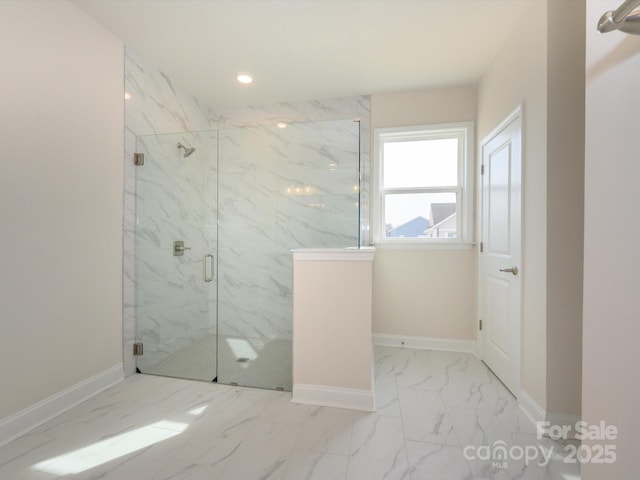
[{"x": 464, "y": 190}]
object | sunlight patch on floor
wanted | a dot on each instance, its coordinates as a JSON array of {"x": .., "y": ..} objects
[{"x": 106, "y": 450}]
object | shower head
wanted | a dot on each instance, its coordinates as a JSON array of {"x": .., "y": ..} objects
[{"x": 187, "y": 150}]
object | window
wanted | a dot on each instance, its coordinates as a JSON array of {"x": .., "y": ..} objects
[{"x": 424, "y": 185}]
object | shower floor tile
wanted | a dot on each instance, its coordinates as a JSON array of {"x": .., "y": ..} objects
[
  {"x": 260, "y": 363},
  {"x": 194, "y": 362}
]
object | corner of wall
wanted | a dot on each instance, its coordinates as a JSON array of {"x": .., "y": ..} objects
[
  {"x": 508, "y": 83},
  {"x": 565, "y": 204},
  {"x": 62, "y": 117}
]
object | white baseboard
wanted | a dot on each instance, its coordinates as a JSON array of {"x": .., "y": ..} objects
[
  {"x": 565, "y": 420},
  {"x": 31, "y": 417},
  {"x": 427, "y": 343},
  {"x": 533, "y": 411},
  {"x": 327, "y": 396},
  {"x": 562, "y": 419}
]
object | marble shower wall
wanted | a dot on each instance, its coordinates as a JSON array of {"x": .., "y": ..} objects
[
  {"x": 342, "y": 108},
  {"x": 152, "y": 106},
  {"x": 243, "y": 307},
  {"x": 279, "y": 189}
]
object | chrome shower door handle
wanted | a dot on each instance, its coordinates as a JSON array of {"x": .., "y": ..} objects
[
  {"x": 207, "y": 276},
  {"x": 513, "y": 270}
]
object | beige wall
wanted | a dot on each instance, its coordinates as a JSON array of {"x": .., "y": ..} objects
[
  {"x": 423, "y": 107},
  {"x": 426, "y": 293},
  {"x": 518, "y": 75},
  {"x": 61, "y": 119},
  {"x": 332, "y": 323},
  {"x": 565, "y": 204},
  {"x": 611, "y": 327}
]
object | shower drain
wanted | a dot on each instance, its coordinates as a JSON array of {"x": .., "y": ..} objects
[{"x": 242, "y": 360}]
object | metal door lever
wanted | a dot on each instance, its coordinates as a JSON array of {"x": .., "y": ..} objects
[
  {"x": 179, "y": 248},
  {"x": 513, "y": 270}
]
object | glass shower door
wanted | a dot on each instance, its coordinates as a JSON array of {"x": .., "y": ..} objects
[
  {"x": 175, "y": 245},
  {"x": 278, "y": 189}
]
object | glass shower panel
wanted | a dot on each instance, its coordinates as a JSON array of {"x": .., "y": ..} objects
[
  {"x": 278, "y": 189},
  {"x": 176, "y": 296}
]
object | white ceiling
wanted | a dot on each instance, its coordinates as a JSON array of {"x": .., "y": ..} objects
[{"x": 306, "y": 49}]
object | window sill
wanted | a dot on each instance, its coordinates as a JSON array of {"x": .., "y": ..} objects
[{"x": 423, "y": 245}]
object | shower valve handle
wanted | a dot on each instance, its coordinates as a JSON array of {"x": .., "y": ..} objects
[{"x": 179, "y": 248}]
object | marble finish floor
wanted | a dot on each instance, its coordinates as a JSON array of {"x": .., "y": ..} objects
[{"x": 432, "y": 407}]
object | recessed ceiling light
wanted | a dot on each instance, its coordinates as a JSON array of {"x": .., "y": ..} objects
[
  {"x": 244, "y": 78},
  {"x": 127, "y": 96},
  {"x": 281, "y": 125}
]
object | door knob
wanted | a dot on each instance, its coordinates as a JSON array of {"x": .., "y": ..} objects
[{"x": 513, "y": 270}]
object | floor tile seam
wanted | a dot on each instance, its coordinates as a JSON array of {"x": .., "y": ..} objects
[
  {"x": 448, "y": 412},
  {"x": 444, "y": 444},
  {"x": 404, "y": 433},
  {"x": 350, "y": 456},
  {"x": 321, "y": 454},
  {"x": 470, "y": 466},
  {"x": 244, "y": 437},
  {"x": 421, "y": 388},
  {"x": 287, "y": 463},
  {"x": 388, "y": 415},
  {"x": 460, "y": 447},
  {"x": 7, "y": 465},
  {"x": 61, "y": 419},
  {"x": 226, "y": 458},
  {"x": 520, "y": 428},
  {"x": 174, "y": 456},
  {"x": 444, "y": 404},
  {"x": 435, "y": 444}
]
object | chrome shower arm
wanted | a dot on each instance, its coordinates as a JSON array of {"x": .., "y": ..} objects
[
  {"x": 617, "y": 19},
  {"x": 625, "y": 9}
]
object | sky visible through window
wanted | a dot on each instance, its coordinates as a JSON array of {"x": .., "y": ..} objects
[{"x": 422, "y": 163}]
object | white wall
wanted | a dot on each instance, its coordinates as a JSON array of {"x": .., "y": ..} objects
[
  {"x": 611, "y": 328},
  {"x": 61, "y": 118},
  {"x": 519, "y": 75},
  {"x": 425, "y": 293}
]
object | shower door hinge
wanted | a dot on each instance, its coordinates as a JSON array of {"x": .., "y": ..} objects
[
  {"x": 480, "y": 324},
  {"x": 138, "y": 158},
  {"x": 138, "y": 349},
  {"x": 482, "y": 169},
  {"x": 481, "y": 247}
]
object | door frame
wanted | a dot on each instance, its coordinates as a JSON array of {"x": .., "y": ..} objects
[{"x": 517, "y": 113}]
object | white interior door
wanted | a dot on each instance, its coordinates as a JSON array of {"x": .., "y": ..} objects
[{"x": 500, "y": 267}]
